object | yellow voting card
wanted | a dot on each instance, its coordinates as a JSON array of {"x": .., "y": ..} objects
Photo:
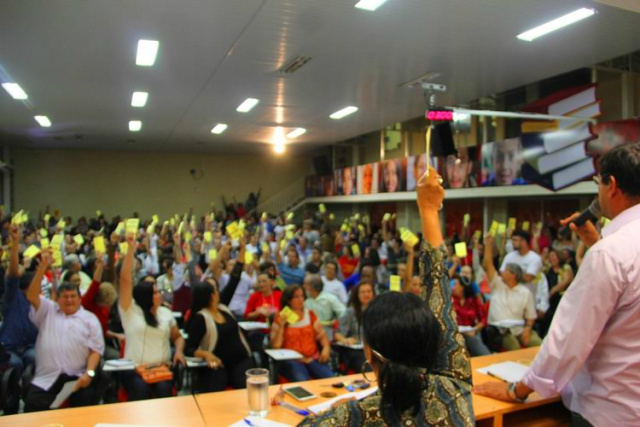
[
  {"x": 322, "y": 208},
  {"x": 290, "y": 235},
  {"x": 187, "y": 237},
  {"x": 332, "y": 217},
  {"x": 98, "y": 245},
  {"x": 17, "y": 219},
  {"x": 408, "y": 237},
  {"x": 61, "y": 224},
  {"x": 355, "y": 248},
  {"x": 56, "y": 241},
  {"x": 386, "y": 217},
  {"x": 44, "y": 232},
  {"x": 264, "y": 246},
  {"x": 56, "y": 258},
  {"x": 461, "y": 249},
  {"x": 47, "y": 217},
  {"x": 124, "y": 248},
  {"x": 78, "y": 239},
  {"x": 208, "y": 237},
  {"x": 132, "y": 225},
  {"x": 282, "y": 244},
  {"x": 525, "y": 225},
  {"x": 290, "y": 315},
  {"x": 31, "y": 252},
  {"x": 394, "y": 283},
  {"x": 289, "y": 216},
  {"x": 155, "y": 218},
  {"x": 466, "y": 220},
  {"x": 248, "y": 257},
  {"x": 502, "y": 228},
  {"x": 98, "y": 212},
  {"x": 120, "y": 228},
  {"x": 213, "y": 254},
  {"x": 44, "y": 243},
  {"x": 477, "y": 234},
  {"x": 512, "y": 223},
  {"x": 494, "y": 228}
]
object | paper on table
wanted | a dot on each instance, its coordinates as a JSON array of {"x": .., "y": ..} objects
[
  {"x": 64, "y": 394},
  {"x": 510, "y": 372},
  {"x": 283, "y": 354},
  {"x": 258, "y": 422},
  {"x": 464, "y": 329},
  {"x": 321, "y": 407},
  {"x": 253, "y": 326}
]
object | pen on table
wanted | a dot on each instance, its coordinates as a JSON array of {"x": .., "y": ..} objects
[
  {"x": 247, "y": 422},
  {"x": 294, "y": 408}
]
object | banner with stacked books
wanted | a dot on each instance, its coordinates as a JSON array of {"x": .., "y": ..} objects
[{"x": 554, "y": 154}]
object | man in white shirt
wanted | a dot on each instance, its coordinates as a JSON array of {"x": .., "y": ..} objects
[
  {"x": 324, "y": 304},
  {"x": 531, "y": 265},
  {"x": 68, "y": 347},
  {"x": 238, "y": 303},
  {"x": 332, "y": 284},
  {"x": 510, "y": 301}
]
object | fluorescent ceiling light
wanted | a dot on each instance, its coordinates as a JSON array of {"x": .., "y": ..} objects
[
  {"x": 556, "y": 24},
  {"x": 147, "y": 51},
  {"x": 278, "y": 148},
  {"x": 219, "y": 128},
  {"x": 296, "y": 133},
  {"x": 344, "y": 112},
  {"x": 15, "y": 90},
  {"x": 135, "y": 125},
  {"x": 247, "y": 105},
  {"x": 139, "y": 99},
  {"x": 43, "y": 120},
  {"x": 370, "y": 4}
]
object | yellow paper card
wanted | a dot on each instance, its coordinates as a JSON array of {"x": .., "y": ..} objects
[
  {"x": 132, "y": 225},
  {"x": 56, "y": 258},
  {"x": 525, "y": 226},
  {"x": 17, "y": 218},
  {"x": 386, "y": 217},
  {"x": 120, "y": 228},
  {"x": 242, "y": 225},
  {"x": 408, "y": 237},
  {"x": 56, "y": 241},
  {"x": 355, "y": 248},
  {"x": 44, "y": 233},
  {"x": 477, "y": 234},
  {"x": 356, "y": 216},
  {"x": 151, "y": 229},
  {"x": 322, "y": 208},
  {"x": 264, "y": 216},
  {"x": 31, "y": 252},
  {"x": 264, "y": 246},
  {"x": 512, "y": 223},
  {"x": 248, "y": 257},
  {"x": 47, "y": 217},
  {"x": 290, "y": 315},
  {"x": 461, "y": 249},
  {"x": 289, "y": 216},
  {"x": 539, "y": 225},
  {"x": 234, "y": 230},
  {"x": 44, "y": 243},
  {"x": 344, "y": 228},
  {"x": 332, "y": 217},
  {"x": 181, "y": 228},
  {"x": 172, "y": 222},
  {"x": 78, "y": 239},
  {"x": 466, "y": 220},
  {"x": 208, "y": 236},
  {"x": 282, "y": 244},
  {"x": 187, "y": 236},
  {"x": 124, "y": 248},
  {"x": 155, "y": 219},
  {"x": 394, "y": 283},
  {"x": 25, "y": 217},
  {"x": 361, "y": 228},
  {"x": 61, "y": 224},
  {"x": 494, "y": 228},
  {"x": 98, "y": 213},
  {"x": 502, "y": 228},
  {"x": 213, "y": 254},
  {"x": 290, "y": 235},
  {"x": 98, "y": 245},
  {"x": 290, "y": 227}
]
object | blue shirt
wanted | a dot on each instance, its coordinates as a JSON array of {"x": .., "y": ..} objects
[
  {"x": 16, "y": 330},
  {"x": 291, "y": 275}
]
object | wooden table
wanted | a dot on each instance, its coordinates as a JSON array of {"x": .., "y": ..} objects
[
  {"x": 224, "y": 408},
  {"x": 179, "y": 411}
]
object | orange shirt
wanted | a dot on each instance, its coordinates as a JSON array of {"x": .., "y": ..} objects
[{"x": 301, "y": 336}]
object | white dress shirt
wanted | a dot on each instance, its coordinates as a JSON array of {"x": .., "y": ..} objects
[
  {"x": 592, "y": 352},
  {"x": 510, "y": 303},
  {"x": 64, "y": 342}
]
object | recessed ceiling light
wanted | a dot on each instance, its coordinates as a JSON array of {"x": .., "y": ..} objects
[
  {"x": 296, "y": 133},
  {"x": 135, "y": 125},
  {"x": 278, "y": 148},
  {"x": 15, "y": 90},
  {"x": 147, "y": 51},
  {"x": 344, "y": 112},
  {"x": 219, "y": 128},
  {"x": 556, "y": 24},
  {"x": 247, "y": 105},
  {"x": 139, "y": 99},
  {"x": 370, "y": 4},
  {"x": 43, "y": 120}
]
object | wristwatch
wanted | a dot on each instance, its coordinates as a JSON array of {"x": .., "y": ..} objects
[
  {"x": 511, "y": 391},
  {"x": 91, "y": 373}
]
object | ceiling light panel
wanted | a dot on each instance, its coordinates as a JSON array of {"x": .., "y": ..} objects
[
  {"x": 43, "y": 121},
  {"x": 219, "y": 128},
  {"x": 135, "y": 125},
  {"x": 370, "y": 5},
  {"x": 139, "y": 99},
  {"x": 15, "y": 90},
  {"x": 147, "y": 52},
  {"x": 556, "y": 24},
  {"x": 247, "y": 105},
  {"x": 296, "y": 133},
  {"x": 344, "y": 112}
]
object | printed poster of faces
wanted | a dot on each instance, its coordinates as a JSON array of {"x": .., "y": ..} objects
[
  {"x": 501, "y": 163},
  {"x": 393, "y": 175},
  {"x": 345, "y": 181},
  {"x": 368, "y": 178}
]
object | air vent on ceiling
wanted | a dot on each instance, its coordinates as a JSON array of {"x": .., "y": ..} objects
[{"x": 295, "y": 64}]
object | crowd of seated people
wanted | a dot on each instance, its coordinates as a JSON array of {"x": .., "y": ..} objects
[{"x": 76, "y": 295}]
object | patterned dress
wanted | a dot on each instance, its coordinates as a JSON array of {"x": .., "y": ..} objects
[{"x": 446, "y": 399}]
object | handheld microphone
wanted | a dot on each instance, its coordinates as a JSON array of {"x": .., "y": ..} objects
[{"x": 592, "y": 213}]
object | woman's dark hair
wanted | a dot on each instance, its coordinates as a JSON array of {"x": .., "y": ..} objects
[
  {"x": 287, "y": 295},
  {"x": 402, "y": 329},
  {"x": 143, "y": 296},
  {"x": 354, "y": 301},
  {"x": 469, "y": 292},
  {"x": 623, "y": 162},
  {"x": 201, "y": 294}
]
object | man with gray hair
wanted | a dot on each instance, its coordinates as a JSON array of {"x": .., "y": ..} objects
[
  {"x": 324, "y": 304},
  {"x": 510, "y": 301}
]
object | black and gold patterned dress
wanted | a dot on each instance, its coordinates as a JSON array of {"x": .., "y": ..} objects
[{"x": 446, "y": 398}]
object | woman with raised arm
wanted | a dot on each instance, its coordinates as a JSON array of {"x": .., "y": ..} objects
[
  {"x": 413, "y": 345},
  {"x": 148, "y": 329}
]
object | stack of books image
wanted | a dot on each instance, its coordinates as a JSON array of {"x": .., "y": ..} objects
[{"x": 554, "y": 152}]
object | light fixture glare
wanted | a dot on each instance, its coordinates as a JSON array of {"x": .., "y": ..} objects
[
  {"x": 296, "y": 133},
  {"x": 219, "y": 128},
  {"x": 556, "y": 24},
  {"x": 369, "y": 5},
  {"x": 43, "y": 121},
  {"x": 344, "y": 112},
  {"x": 135, "y": 125},
  {"x": 147, "y": 52},
  {"x": 15, "y": 90},
  {"x": 247, "y": 105},
  {"x": 139, "y": 99}
]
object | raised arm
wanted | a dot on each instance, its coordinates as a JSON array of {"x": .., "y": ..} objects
[
  {"x": 16, "y": 236},
  {"x": 409, "y": 270},
  {"x": 487, "y": 261},
  {"x": 33, "y": 293},
  {"x": 126, "y": 275},
  {"x": 453, "y": 358},
  {"x": 226, "y": 295}
]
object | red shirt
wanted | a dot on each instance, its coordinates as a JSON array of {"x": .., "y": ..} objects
[
  {"x": 471, "y": 313},
  {"x": 89, "y": 303},
  {"x": 257, "y": 300},
  {"x": 348, "y": 265}
]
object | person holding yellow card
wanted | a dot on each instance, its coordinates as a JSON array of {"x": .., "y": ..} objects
[{"x": 306, "y": 336}]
